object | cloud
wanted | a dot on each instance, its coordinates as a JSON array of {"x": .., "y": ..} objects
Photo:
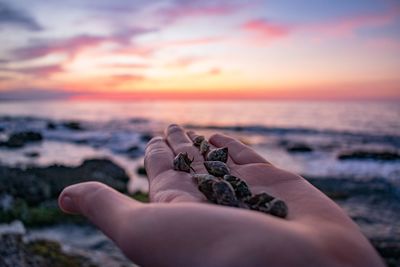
[
  {"x": 18, "y": 18},
  {"x": 42, "y": 71},
  {"x": 74, "y": 45},
  {"x": 193, "y": 41},
  {"x": 126, "y": 65},
  {"x": 266, "y": 30},
  {"x": 183, "y": 62},
  {"x": 121, "y": 78},
  {"x": 69, "y": 46},
  {"x": 195, "y": 8},
  {"x": 34, "y": 94},
  {"x": 347, "y": 26},
  {"x": 214, "y": 71},
  {"x": 118, "y": 80}
]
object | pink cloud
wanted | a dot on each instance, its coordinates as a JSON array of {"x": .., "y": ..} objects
[
  {"x": 214, "y": 71},
  {"x": 121, "y": 78},
  {"x": 74, "y": 45},
  {"x": 69, "y": 46},
  {"x": 194, "y": 41},
  {"x": 348, "y": 26},
  {"x": 195, "y": 8},
  {"x": 266, "y": 30},
  {"x": 184, "y": 62}
]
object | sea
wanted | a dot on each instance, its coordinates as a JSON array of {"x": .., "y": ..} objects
[{"x": 273, "y": 128}]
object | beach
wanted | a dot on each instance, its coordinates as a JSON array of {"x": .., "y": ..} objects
[{"x": 349, "y": 150}]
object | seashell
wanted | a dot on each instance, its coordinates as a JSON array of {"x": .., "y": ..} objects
[
  {"x": 278, "y": 208},
  {"x": 224, "y": 194},
  {"x": 218, "y": 154},
  {"x": 182, "y": 162},
  {"x": 266, "y": 203},
  {"x": 259, "y": 201},
  {"x": 216, "y": 168},
  {"x": 204, "y": 147},
  {"x": 199, "y": 178},
  {"x": 198, "y": 139},
  {"x": 206, "y": 187},
  {"x": 242, "y": 190}
]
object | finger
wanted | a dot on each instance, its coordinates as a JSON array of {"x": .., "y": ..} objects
[
  {"x": 177, "y": 137},
  {"x": 158, "y": 157},
  {"x": 102, "y": 205},
  {"x": 180, "y": 142},
  {"x": 239, "y": 152}
]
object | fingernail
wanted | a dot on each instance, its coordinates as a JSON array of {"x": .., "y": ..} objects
[
  {"x": 173, "y": 125},
  {"x": 67, "y": 204}
]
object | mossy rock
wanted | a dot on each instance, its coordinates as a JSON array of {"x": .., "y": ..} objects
[{"x": 142, "y": 197}]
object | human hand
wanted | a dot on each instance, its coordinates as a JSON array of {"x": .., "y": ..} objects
[{"x": 179, "y": 227}]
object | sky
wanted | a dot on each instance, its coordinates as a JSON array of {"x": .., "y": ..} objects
[{"x": 200, "y": 49}]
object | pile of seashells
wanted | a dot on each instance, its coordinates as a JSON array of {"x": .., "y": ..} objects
[{"x": 222, "y": 188}]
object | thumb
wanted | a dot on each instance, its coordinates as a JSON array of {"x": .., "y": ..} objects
[{"x": 102, "y": 205}]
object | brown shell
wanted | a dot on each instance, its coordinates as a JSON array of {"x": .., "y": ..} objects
[
  {"x": 278, "y": 208},
  {"x": 218, "y": 154},
  {"x": 216, "y": 168},
  {"x": 204, "y": 147},
  {"x": 198, "y": 139},
  {"x": 182, "y": 162},
  {"x": 242, "y": 190},
  {"x": 259, "y": 201},
  {"x": 268, "y": 204},
  {"x": 224, "y": 194},
  {"x": 199, "y": 178},
  {"x": 206, "y": 187}
]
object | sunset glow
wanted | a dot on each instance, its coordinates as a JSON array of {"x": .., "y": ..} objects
[{"x": 200, "y": 49}]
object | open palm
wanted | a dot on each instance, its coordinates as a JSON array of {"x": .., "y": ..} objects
[{"x": 179, "y": 227}]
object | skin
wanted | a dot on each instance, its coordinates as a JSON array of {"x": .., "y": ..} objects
[{"x": 179, "y": 228}]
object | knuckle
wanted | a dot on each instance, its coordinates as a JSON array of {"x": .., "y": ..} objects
[
  {"x": 154, "y": 141},
  {"x": 174, "y": 128}
]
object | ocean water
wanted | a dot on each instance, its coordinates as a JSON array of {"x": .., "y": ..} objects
[
  {"x": 357, "y": 117},
  {"x": 112, "y": 129}
]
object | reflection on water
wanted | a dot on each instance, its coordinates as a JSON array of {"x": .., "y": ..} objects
[{"x": 377, "y": 117}]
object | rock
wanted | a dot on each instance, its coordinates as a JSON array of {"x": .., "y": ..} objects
[
  {"x": 298, "y": 148},
  {"x": 138, "y": 120},
  {"x": 146, "y": 137},
  {"x": 38, "y": 184},
  {"x": 32, "y": 154},
  {"x": 34, "y": 191},
  {"x": 51, "y": 125},
  {"x": 343, "y": 188},
  {"x": 389, "y": 250},
  {"x": 369, "y": 155},
  {"x": 37, "y": 253},
  {"x": 20, "y": 139},
  {"x": 73, "y": 125},
  {"x": 134, "y": 151},
  {"x": 141, "y": 170}
]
